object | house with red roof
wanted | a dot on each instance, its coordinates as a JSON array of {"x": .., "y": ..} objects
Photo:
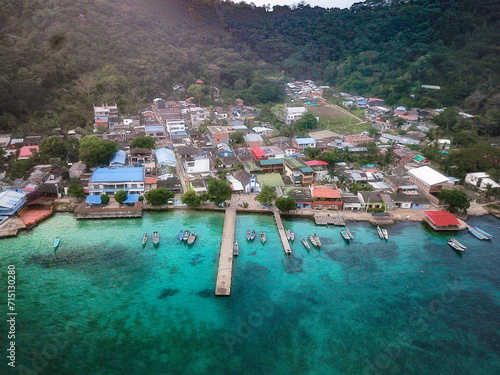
[
  {"x": 442, "y": 220},
  {"x": 325, "y": 197},
  {"x": 26, "y": 152}
]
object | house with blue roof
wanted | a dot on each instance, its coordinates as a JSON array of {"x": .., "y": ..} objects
[
  {"x": 165, "y": 157},
  {"x": 110, "y": 180},
  {"x": 10, "y": 202},
  {"x": 157, "y": 132},
  {"x": 118, "y": 159},
  {"x": 303, "y": 144}
]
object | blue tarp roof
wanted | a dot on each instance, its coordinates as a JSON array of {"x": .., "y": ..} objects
[
  {"x": 118, "y": 158},
  {"x": 93, "y": 199},
  {"x": 165, "y": 156},
  {"x": 154, "y": 128},
  {"x": 305, "y": 141},
  {"x": 10, "y": 198},
  {"x": 131, "y": 198},
  {"x": 124, "y": 174}
]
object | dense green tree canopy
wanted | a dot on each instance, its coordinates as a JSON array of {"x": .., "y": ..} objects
[
  {"x": 53, "y": 147},
  {"x": 285, "y": 204},
  {"x": 76, "y": 190},
  {"x": 159, "y": 197},
  {"x": 120, "y": 196},
  {"x": 143, "y": 142},
  {"x": 455, "y": 199},
  {"x": 191, "y": 198},
  {"x": 95, "y": 151},
  {"x": 104, "y": 199},
  {"x": 219, "y": 191},
  {"x": 266, "y": 196}
]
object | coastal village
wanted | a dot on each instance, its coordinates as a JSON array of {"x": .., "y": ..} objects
[{"x": 194, "y": 144}]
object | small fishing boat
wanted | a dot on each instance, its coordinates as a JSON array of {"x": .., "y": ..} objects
[
  {"x": 287, "y": 234},
  {"x": 385, "y": 233},
  {"x": 304, "y": 242},
  {"x": 456, "y": 245},
  {"x": 313, "y": 241},
  {"x": 379, "y": 231},
  {"x": 316, "y": 238},
  {"x": 249, "y": 235},
  {"x": 145, "y": 239},
  {"x": 344, "y": 234},
  {"x": 252, "y": 235},
  {"x": 57, "y": 241},
  {"x": 185, "y": 236},
  {"x": 236, "y": 249},
  {"x": 351, "y": 236},
  {"x": 483, "y": 232},
  {"x": 263, "y": 237},
  {"x": 477, "y": 233},
  {"x": 156, "y": 238},
  {"x": 192, "y": 238},
  {"x": 180, "y": 235},
  {"x": 292, "y": 235}
]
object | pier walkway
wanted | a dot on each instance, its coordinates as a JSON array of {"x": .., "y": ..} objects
[
  {"x": 223, "y": 284},
  {"x": 335, "y": 219},
  {"x": 281, "y": 230}
]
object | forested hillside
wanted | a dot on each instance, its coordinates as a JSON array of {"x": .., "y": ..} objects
[{"x": 60, "y": 56}]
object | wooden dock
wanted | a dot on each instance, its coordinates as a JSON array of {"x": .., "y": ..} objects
[
  {"x": 334, "y": 219},
  {"x": 281, "y": 230},
  {"x": 223, "y": 284}
]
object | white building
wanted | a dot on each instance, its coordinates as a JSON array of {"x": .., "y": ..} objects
[
  {"x": 294, "y": 113},
  {"x": 480, "y": 180},
  {"x": 175, "y": 126},
  {"x": 197, "y": 164},
  {"x": 429, "y": 181},
  {"x": 261, "y": 130}
]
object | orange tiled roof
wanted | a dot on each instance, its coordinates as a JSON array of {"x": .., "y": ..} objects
[{"x": 325, "y": 192}]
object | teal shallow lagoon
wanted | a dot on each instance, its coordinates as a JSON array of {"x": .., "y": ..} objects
[{"x": 105, "y": 305}]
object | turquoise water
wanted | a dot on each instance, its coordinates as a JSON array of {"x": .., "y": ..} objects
[{"x": 104, "y": 305}]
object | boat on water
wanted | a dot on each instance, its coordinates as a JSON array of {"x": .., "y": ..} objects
[
  {"x": 249, "y": 235},
  {"x": 304, "y": 242},
  {"x": 180, "y": 235},
  {"x": 145, "y": 239},
  {"x": 292, "y": 235},
  {"x": 156, "y": 238},
  {"x": 313, "y": 241},
  {"x": 351, "y": 236},
  {"x": 57, "y": 241},
  {"x": 379, "y": 231},
  {"x": 456, "y": 245},
  {"x": 345, "y": 234},
  {"x": 483, "y": 232},
  {"x": 287, "y": 234},
  {"x": 252, "y": 235},
  {"x": 316, "y": 238},
  {"x": 192, "y": 238},
  {"x": 385, "y": 233},
  {"x": 263, "y": 237},
  {"x": 477, "y": 233},
  {"x": 236, "y": 249},
  {"x": 185, "y": 236}
]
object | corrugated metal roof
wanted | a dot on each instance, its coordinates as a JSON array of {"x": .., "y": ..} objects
[
  {"x": 10, "y": 198},
  {"x": 125, "y": 174},
  {"x": 118, "y": 158},
  {"x": 165, "y": 156}
]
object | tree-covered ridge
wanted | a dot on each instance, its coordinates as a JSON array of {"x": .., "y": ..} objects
[{"x": 387, "y": 51}]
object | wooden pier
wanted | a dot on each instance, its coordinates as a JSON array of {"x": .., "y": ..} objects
[
  {"x": 335, "y": 219},
  {"x": 223, "y": 284},
  {"x": 281, "y": 230}
]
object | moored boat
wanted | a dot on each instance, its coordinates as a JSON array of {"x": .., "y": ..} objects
[
  {"x": 287, "y": 234},
  {"x": 344, "y": 234},
  {"x": 156, "y": 238},
  {"x": 185, "y": 236},
  {"x": 316, "y": 238},
  {"x": 379, "y": 231},
  {"x": 263, "y": 237},
  {"x": 249, "y": 235},
  {"x": 180, "y": 235},
  {"x": 292, "y": 235},
  {"x": 236, "y": 249},
  {"x": 385, "y": 233},
  {"x": 483, "y": 232},
  {"x": 304, "y": 242},
  {"x": 145, "y": 239},
  {"x": 456, "y": 245},
  {"x": 313, "y": 241},
  {"x": 252, "y": 235},
  {"x": 477, "y": 233},
  {"x": 192, "y": 238},
  {"x": 57, "y": 241},
  {"x": 351, "y": 236}
]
